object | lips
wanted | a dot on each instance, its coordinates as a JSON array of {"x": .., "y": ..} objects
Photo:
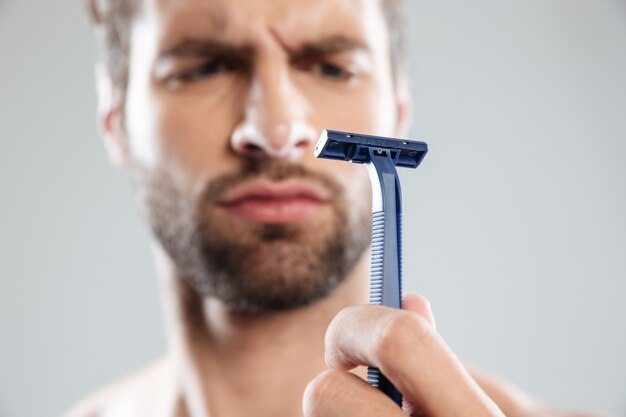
[{"x": 276, "y": 202}]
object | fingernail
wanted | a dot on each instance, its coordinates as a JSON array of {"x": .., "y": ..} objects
[{"x": 432, "y": 316}]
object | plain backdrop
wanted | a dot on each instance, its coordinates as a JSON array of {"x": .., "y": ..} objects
[{"x": 515, "y": 222}]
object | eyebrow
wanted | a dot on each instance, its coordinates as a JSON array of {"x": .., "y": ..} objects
[
  {"x": 193, "y": 48},
  {"x": 330, "y": 45}
]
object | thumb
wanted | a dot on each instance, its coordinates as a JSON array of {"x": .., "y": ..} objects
[{"x": 418, "y": 304}]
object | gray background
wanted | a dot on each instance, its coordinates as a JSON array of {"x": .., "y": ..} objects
[{"x": 515, "y": 225}]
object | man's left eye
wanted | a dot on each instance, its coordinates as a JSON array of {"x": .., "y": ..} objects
[{"x": 331, "y": 71}]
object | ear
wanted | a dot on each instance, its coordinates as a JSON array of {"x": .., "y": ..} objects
[
  {"x": 110, "y": 118},
  {"x": 404, "y": 105}
]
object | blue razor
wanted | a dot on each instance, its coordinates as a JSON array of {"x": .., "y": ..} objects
[{"x": 381, "y": 156}]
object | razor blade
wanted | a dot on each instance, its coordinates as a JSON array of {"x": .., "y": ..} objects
[{"x": 381, "y": 156}]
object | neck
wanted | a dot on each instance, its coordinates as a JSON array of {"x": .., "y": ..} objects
[{"x": 222, "y": 356}]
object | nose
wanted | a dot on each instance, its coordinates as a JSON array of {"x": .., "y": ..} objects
[{"x": 274, "y": 122}]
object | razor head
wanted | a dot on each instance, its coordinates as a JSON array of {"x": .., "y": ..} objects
[{"x": 355, "y": 147}]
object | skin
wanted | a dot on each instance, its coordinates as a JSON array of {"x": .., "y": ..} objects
[{"x": 199, "y": 121}]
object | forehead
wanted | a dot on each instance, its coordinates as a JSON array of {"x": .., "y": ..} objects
[{"x": 247, "y": 21}]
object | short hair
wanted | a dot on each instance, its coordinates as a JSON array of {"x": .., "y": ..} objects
[{"x": 112, "y": 21}]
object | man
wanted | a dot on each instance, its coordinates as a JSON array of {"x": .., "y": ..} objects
[{"x": 213, "y": 107}]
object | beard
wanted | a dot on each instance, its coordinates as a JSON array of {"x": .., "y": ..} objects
[{"x": 254, "y": 267}]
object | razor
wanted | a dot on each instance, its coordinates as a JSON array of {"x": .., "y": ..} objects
[{"x": 381, "y": 156}]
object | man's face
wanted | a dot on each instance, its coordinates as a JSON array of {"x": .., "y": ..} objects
[{"x": 225, "y": 101}]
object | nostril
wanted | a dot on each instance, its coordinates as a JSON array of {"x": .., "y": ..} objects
[
  {"x": 251, "y": 148},
  {"x": 302, "y": 143}
]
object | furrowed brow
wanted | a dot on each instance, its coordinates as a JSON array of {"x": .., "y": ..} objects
[{"x": 193, "y": 48}]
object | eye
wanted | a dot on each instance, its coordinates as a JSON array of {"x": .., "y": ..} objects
[
  {"x": 330, "y": 71},
  {"x": 209, "y": 69},
  {"x": 206, "y": 70}
]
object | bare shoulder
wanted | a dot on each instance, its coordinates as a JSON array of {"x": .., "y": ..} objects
[{"x": 136, "y": 394}]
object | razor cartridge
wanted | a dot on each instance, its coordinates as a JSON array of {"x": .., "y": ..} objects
[{"x": 381, "y": 156}]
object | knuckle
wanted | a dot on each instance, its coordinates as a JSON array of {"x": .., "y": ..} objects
[
  {"x": 335, "y": 333},
  {"x": 344, "y": 315},
  {"x": 335, "y": 323},
  {"x": 320, "y": 391},
  {"x": 400, "y": 336}
]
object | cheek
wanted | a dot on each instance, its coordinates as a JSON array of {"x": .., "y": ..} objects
[
  {"x": 354, "y": 180},
  {"x": 186, "y": 131},
  {"x": 196, "y": 131}
]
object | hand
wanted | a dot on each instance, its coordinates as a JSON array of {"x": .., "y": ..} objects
[{"x": 406, "y": 347}]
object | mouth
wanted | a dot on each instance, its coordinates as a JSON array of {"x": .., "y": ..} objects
[{"x": 265, "y": 201}]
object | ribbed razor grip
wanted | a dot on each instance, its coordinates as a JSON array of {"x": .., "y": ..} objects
[
  {"x": 378, "y": 249},
  {"x": 374, "y": 377}
]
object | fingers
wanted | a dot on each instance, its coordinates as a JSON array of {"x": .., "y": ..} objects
[
  {"x": 405, "y": 346},
  {"x": 420, "y": 305},
  {"x": 339, "y": 394},
  {"x": 412, "y": 302}
]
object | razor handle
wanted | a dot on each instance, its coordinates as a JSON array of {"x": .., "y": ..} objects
[
  {"x": 380, "y": 155},
  {"x": 386, "y": 248}
]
